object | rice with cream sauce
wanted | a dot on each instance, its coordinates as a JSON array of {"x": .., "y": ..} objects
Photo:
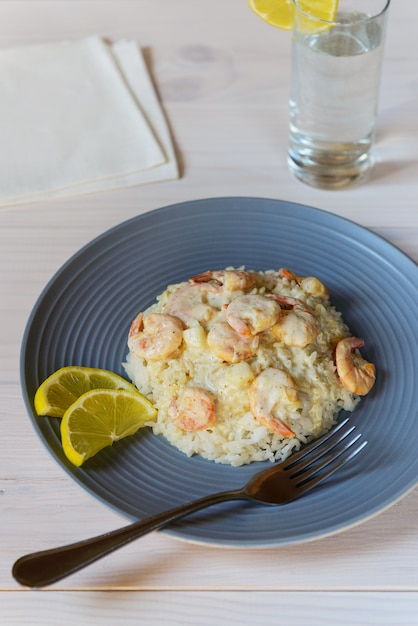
[{"x": 237, "y": 438}]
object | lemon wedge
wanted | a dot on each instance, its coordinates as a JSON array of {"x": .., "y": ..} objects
[
  {"x": 280, "y": 13},
  {"x": 99, "y": 417},
  {"x": 64, "y": 386}
]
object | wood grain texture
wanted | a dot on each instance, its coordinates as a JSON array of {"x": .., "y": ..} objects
[
  {"x": 209, "y": 609},
  {"x": 223, "y": 77}
]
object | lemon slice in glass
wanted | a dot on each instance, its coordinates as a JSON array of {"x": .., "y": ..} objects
[
  {"x": 100, "y": 417},
  {"x": 280, "y": 13},
  {"x": 64, "y": 386}
]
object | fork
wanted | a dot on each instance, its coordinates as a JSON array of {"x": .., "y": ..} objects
[{"x": 279, "y": 484}]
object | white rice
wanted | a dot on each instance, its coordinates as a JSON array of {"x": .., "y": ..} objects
[{"x": 238, "y": 438}]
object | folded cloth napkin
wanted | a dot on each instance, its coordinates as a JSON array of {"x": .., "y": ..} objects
[{"x": 77, "y": 117}]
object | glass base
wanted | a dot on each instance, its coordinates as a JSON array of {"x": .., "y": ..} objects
[{"x": 329, "y": 166}]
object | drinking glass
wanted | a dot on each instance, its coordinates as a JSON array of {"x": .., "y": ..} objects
[{"x": 336, "y": 69}]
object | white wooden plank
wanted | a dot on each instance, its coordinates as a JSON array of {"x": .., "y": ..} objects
[{"x": 209, "y": 609}]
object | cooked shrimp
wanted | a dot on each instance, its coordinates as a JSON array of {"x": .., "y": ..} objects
[
  {"x": 193, "y": 410},
  {"x": 273, "y": 395},
  {"x": 228, "y": 345},
  {"x": 356, "y": 374},
  {"x": 192, "y": 302},
  {"x": 310, "y": 284},
  {"x": 296, "y": 326},
  {"x": 251, "y": 314},
  {"x": 231, "y": 280},
  {"x": 155, "y": 336}
]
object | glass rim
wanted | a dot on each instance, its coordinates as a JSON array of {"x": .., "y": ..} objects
[{"x": 363, "y": 19}]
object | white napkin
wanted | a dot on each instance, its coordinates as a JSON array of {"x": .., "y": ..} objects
[{"x": 76, "y": 117}]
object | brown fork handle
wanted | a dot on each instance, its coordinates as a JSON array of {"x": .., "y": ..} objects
[{"x": 44, "y": 568}]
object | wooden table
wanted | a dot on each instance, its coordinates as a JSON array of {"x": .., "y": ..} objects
[{"x": 223, "y": 79}]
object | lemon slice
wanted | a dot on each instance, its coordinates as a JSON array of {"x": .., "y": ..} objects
[
  {"x": 100, "y": 417},
  {"x": 62, "y": 388},
  {"x": 280, "y": 13},
  {"x": 277, "y": 13}
]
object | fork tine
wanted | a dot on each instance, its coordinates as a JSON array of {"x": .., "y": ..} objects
[
  {"x": 322, "y": 450},
  {"x": 316, "y": 475},
  {"x": 310, "y": 466},
  {"x": 323, "y": 443}
]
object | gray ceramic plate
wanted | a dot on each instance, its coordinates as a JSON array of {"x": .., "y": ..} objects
[{"x": 83, "y": 316}]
